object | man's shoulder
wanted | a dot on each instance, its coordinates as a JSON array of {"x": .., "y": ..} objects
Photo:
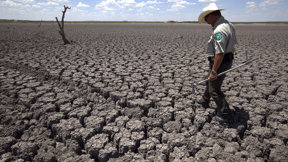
[{"x": 221, "y": 27}]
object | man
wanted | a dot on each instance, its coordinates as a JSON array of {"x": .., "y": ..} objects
[{"x": 221, "y": 47}]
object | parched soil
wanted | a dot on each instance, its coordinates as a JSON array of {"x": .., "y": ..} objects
[{"x": 123, "y": 92}]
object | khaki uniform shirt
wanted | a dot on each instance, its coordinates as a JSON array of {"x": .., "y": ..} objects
[{"x": 223, "y": 38}]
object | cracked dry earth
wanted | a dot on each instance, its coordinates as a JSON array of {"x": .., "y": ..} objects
[{"x": 122, "y": 92}]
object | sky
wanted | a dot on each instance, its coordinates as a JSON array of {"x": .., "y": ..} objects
[{"x": 140, "y": 10}]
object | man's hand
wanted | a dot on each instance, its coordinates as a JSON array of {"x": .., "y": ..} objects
[
  {"x": 217, "y": 62},
  {"x": 213, "y": 76}
]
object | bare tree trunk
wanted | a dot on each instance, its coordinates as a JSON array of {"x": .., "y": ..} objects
[
  {"x": 61, "y": 26},
  {"x": 40, "y": 23}
]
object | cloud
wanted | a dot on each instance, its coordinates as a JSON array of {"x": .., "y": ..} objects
[
  {"x": 153, "y": 2},
  {"x": 50, "y": 3},
  {"x": 80, "y": 4},
  {"x": 25, "y": 1},
  {"x": 141, "y": 4},
  {"x": 18, "y": 3},
  {"x": 108, "y": 5},
  {"x": 269, "y": 3},
  {"x": 153, "y": 8},
  {"x": 207, "y": 0},
  {"x": 8, "y": 3},
  {"x": 58, "y": 1},
  {"x": 111, "y": 5},
  {"x": 179, "y": 4},
  {"x": 250, "y": 4}
]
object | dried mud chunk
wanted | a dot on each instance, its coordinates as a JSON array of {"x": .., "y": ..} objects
[
  {"x": 126, "y": 144},
  {"x": 152, "y": 122},
  {"x": 230, "y": 134},
  {"x": 142, "y": 103},
  {"x": 25, "y": 150},
  {"x": 179, "y": 153},
  {"x": 123, "y": 133},
  {"x": 156, "y": 132},
  {"x": 217, "y": 149},
  {"x": 232, "y": 147},
  {"x": 117, "y": 95},
  {"x": 111, "y": 116},
  {"x": 160, "y": 157},
  {"x": 111, "y": 129},
  {"x": 277, "y": 117},
  {"x": 166, "y": 114},
  {"x": 80, "y": 112},
  {"x": 65, "y": 127},
  {"x": 66, "y": 108},
  {"x": 55, "y": 118},
  {"x": 47, "y": 99},
  {"x": 274, "y": 107},
  {"x": 12, "y": 130},
  {"x": 73, "y": 145},
  {"x": 109, "y": 151},
  {"x": 164, "y": 104},
  {"x": 200, "y": 140},
  {"x": 273, "y": 142},
  {"x": 96, "y": 143},
  {"x": 203, "y": 154},
  {"x": 259, "y": 103},
  {"x": 242, "y": 154},
  {"x": 49, "y": 107},
  {"x": 147, "y": 145},
  {"x": 163, "y": 148},
  {"x": 154, "y": 98},
  {"x": 45, "y": 88},
  {"x": 186, "y": 123},
  {"x": 32, "y": 84},
  {"x": 172, "y": 126},
  {"x": 199, "y": 121},
  {"x": 137, "y": 136},
  {"x": 182, "y": 104},
  {"x": 174, "y": 139},
  {"x": 163, "y": 113},
  {"x": 46, "y": 153},
  {"x": 25, "y": 91},
  {"x": 79, "y": 102},
  {"x": 85, "y": 157},
  {"x": 135, "y": 112},
  {"x": 257, "y": 120},
  {"x": 121, "y": 121},
  {"x": 133, "y": 95},
  {"x": 94, "y": 122},
  {"x": 36, "y": 134},
  {"x": 82, "y": 134},
  {"x": 6, "y": 143},
  {"x": 179, "y": 115},
  {"x": 282, "y": 132},
  {"x": 280, "y": 153},
  {"x": 253, "y": 146},
  {"x": 135, "y": 125},
  {"x": 127, "y": 157},
  {"x": 262, "y": 132}
]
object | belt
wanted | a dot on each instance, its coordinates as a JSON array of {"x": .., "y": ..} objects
[{"x": 228, "y": 57}]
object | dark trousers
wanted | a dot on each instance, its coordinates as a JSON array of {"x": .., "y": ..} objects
[{"x": 213, "y": 88}]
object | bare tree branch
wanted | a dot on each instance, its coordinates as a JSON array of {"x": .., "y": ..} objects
[{"x": 61, "y": 26}]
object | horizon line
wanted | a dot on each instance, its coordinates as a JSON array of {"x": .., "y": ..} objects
[{"x": 124, "y": 21}]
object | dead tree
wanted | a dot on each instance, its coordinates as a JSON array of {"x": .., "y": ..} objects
[
  {"x": 40, "y": 24},
  {"x": 61, "y": 26}
]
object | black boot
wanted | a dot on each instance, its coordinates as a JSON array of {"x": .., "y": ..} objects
[{"x": 203, "y": 102}]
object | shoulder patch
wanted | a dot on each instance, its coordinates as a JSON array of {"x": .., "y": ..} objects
[{"x": 218, "y": 36}]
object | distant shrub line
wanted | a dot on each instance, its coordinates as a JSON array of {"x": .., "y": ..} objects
[{"x": 170, "y": 21}]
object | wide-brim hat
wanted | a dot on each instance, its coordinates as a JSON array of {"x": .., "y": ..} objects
[{"x": 207, "y": 10}]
